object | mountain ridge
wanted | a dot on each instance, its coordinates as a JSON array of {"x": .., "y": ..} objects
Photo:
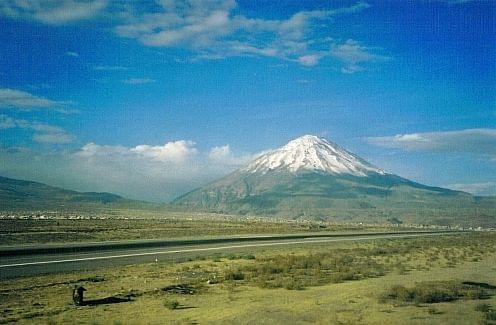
[{"x": 24, "y": 194}]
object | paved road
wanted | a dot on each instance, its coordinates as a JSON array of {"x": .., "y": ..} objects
[{"x": 28, "y": 261}]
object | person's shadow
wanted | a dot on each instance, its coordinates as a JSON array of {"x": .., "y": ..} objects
[{"x": 105, "y": 301}]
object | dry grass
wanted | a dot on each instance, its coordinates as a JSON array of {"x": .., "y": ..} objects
[
  {"x": 145, "y": 294},
  {"x": 153, "y": 227}
]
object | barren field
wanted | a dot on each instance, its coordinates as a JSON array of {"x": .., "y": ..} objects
[
  {"x": 431, "y": 280},
  {"x": 25, "y": 231}
]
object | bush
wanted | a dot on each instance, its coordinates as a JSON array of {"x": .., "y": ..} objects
[
  {"x": 268, "y": 283},
  {"x": 434, "y": 292},
  {"x": 249, "y": 257},
  {"x": 433, "y": 311},
  {"x": 234, "y": 275},
  {"x": 293, "y": 284},
  {"x": 171, "y": 304},
  {"x": 489, "y": 312},
  {"x": 270, "y": 268},
  {"x": 483, "y": 307},
  {"x": 491, "y": 315},
  {"x": 399, "y": 292}
]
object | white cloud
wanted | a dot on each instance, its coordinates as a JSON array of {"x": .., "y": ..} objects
[
  {"x": 484, "y": 188},
  {"x": 55, "y": 138},
  {"x": 138, "y": 81},
  {"x": 181, "y": 22},
  {"x": 219, "y": 153},
  {"x": 309, "y": 60},
  {"x": 7, "y": 122},
  {"x": 176, "y": 151},
  {"x": 223, "y": 156},
  {"x": 73, "y": 54},
  {"x": 212, "y": 30},
  {"x": 154, "y": 172},
  {"x": 352, "y": 54},
  {"x": 351, "y": 68},
  {"x": 52, "y": 12},
  {"x": 44, "y": 133},
  {"x": 478, "y": 141},
  {"x": 94, "y": 150},
  {"x": 22, "y": 100},
  {"x": 352, "y": 51},
  {"x": 109, "y": 68}
]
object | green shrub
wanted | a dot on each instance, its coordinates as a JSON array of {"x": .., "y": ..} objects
[
  {"x": 270, "y": 268},
  {"x": 171, "y": 304},
  {"x": 338, "y": 277},
  {"x": 434, "y": 292},
  {"x": 266, "y": 283},
  {"x": 248, "y": 257},
  {"x": 399, "y": 292},
  {"x": 234, "y": 275},
  {"x": 433, "y": 311},
  {"x": 483, "y": 307},
  {"x": 491, "y": 315},
  {"x": 293, "y": 284}
]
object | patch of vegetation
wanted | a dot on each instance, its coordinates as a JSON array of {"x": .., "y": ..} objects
[
  {"x": 233, "y": 256},
  {"x": 483, "y": 307},
  {"x": 171, "y": 304},
  {"x": 92, "y": 279},
  {"x": 488, "y": 311},
  {"x": 234, "y": 275},
  {"x": 491, "y": 316},
  {"x": 433, "y": 311},
  {"x": 295, "y": 271},
  {"x": 183, "y": 289},
  {"x": 430, "y": 292},
  {"x": 248, "y": 257},
  {"x": 299, "y": 271}
]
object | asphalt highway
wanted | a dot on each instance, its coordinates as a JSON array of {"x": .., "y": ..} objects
[{"x": 19, "y": 261}]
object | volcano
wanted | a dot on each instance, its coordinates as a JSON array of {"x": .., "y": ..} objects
[{"x": 314, "y": 177}]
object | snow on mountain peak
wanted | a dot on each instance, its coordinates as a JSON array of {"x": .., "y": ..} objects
[{"x": 310, "y": 152}]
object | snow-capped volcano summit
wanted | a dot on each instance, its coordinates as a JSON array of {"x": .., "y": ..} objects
[{"x": 312, "y": 153}]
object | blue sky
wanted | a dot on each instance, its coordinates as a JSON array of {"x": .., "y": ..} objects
[{"x": 151, "y": 99}]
